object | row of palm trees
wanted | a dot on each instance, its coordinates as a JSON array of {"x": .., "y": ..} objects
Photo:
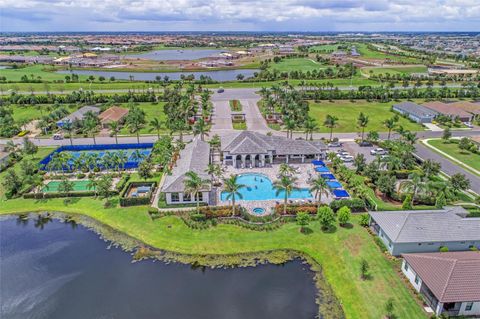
[{"x": 65, "y": 161}]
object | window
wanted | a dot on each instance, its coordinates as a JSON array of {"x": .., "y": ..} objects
[
  {"x": 416, "y": 279},
  {"x": 200, "y": 196},
  {"x": 187, "y": 197},
  {"x": 469, "y": 306},
  {"x": 175, "y": 197},
  {"x": 405, "y": 266}
]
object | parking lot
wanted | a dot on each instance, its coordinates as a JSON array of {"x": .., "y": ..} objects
[{"x": 353, "y": 149}]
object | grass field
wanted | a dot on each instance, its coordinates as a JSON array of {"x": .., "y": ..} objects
[
  {"x": 347, "y": 113},
  {"x": 26, "y": 113},
  {"x": 368, "y": 53},
  {"x": 297, "y": 64},
  {"x": 324, "y": 47},
  {"x": 395, "y": 70},
  {"x": 340, "y": 253},
  {"x": 151, "y": 111},
  {"x": 35, "y": 70},
  {"x": 468, "y": 158}
]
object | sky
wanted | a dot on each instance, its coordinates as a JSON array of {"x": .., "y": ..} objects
[{"x": 239, "y": 15}]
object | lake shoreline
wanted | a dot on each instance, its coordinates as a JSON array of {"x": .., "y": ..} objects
[{"x": 330, "y": 307}]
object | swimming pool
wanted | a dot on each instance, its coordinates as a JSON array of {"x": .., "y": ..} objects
[{"x": 260, "y": 187}]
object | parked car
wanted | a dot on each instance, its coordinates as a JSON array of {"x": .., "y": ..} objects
[
  {"x": 378, "y": 151},
  {"x": 335, "y": 144},
  {"x": 365, "y": 144},
  {"x": 347, "y": 159},
  {"x": 343, "y": 154},
  {"x": 468, "y": 124},
  {"x": 57, "y": 136},
  {"x": 220, "y": 90}
]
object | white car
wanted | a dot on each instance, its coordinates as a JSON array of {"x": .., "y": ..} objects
[
  {"x": 342, "y": 154},
  {"x": 378, "y": 151},
  {"x": 347, "y": 159}
]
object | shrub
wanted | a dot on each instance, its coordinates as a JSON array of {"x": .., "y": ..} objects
[
  {"x": 326, "y": 217},
  {"x": 198, "y": 217},
  {"x": 473, "y": 248},
  {"x": 443, "y": 249},
  {"x": 407, "y": 203},
  {"x": 364, "y": 220},
  {"x": 294, "y": 209},
  {"x": 355, "y": 204},
  {"x": 81, "y": 176},
  {"x": 219, "y": 211},
  {"x": 122, "y": 182},
  {"x": 380, "y": 244},
  {"x": 344, "y": 214}
]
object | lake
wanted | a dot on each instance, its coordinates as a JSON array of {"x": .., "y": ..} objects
[
  {"x": 176, "y": 55},
  {"x": 62, "y": 271},
  {"x": 219, "y": 75}
]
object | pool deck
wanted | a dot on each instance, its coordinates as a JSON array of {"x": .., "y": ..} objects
[{"x": 305, "y": 173}]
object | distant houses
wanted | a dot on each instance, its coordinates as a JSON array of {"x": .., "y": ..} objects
[
  {"x": 426, "y": 230},
  {"x": 416, "y": 112},
  {"x": 448, "y": 282},
  {"x": 78, "y": 115},
  {"x": 427, "y": 112}
]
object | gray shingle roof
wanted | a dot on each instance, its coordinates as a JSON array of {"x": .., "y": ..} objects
[
  {"x": 248, "y": 142},
  {"x": 194, "y": 157},
  {"x": 415, "y": 109},
  {"x": 80, "y": 113},
  {"x": 456, "y": 277},
  {"x": 428, "y": 225}
]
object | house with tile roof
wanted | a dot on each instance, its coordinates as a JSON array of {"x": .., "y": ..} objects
[
  {"x": 113, "y": 114},
  {"x": 415, "y": 112},
  {"x": 449, "y": 110},
  {"x": 449, "y": 282},
  {"x": 247, "y": 149},
  {"x": 194, "y": 157},
  {"x": 426, "y": 230}
]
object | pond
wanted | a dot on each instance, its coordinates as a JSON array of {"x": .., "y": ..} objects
[
  {"x": 176, "y": 55},
  {"x": 219, "y": 75},
  {"x": 56, "y": 270}
]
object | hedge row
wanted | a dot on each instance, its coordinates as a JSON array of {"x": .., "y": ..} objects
[
  {"x": 294, "y": 209},
  {"x": 59, "y": 195},
  {"x": 135, "y": 201}
]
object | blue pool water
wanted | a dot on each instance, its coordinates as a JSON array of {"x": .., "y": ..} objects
[{"x": 260, "y": 187}]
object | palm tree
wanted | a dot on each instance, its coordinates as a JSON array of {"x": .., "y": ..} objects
[
  {"x": 362, "y": 122},
  {"x": 310, "y": 126},
  {"x": 286, "y": 170},
  {"x": 215, "y": 171},
  {"x": 232, "y": 188},
  {"x": 331, "y": 123},
  {"x": 194, "y": 184},
  {"x": 319, "y": 186},
  {"x": 200, "y": 128},
  {"x": 135, "y": 121},
  {"x": 285, "y": 184},
  {"x": 92, "y": 183},
  {"x": 390, "y": 125},
  {"x": 68, "y": 127},
  {"x": 290, "y": 125},
  {"x": 157, "y": 125},
  {"x": 115, "y": 128},
  {"x": 122, "y": 159},
  {"x": 413, "y": 184}
]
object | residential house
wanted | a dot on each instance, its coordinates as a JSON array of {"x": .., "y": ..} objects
[
  {"x": 449, "y": 282},
  {"x": 426, "y": 230},
  {"x": 449, "y": 111},
  {"x": 415, "y": 112},
  {"x": 251, "y": 149},
  {"x": 194, "y": 157},
  {"x": 78, "y": 115},
  {"x": 113, "y": 114}
]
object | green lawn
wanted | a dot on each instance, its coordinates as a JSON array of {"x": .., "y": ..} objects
[
  {"x": 368, "y": 53},
  {"x": 468, "y": 158},
  {"x": 347, "y": 113},
  {"x": 297, "y": 64},
  {"x": 340, "y": 253},
  {"x": 395, "y": 70},
  {"x": 239, "y": 126},
  {"x": 151, "y": 111},
  {"x": 324, "y": 47},
  {"x": 26, "y": 113},
  {"x": 35, "y": 70}
]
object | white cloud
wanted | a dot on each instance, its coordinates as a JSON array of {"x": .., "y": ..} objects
[{"x": 312, "y": 15}]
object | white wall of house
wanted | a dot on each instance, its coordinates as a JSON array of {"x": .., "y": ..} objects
[
  {"x": 402, "y": 248},
  {"x": 411, "y": 275},
  {"x": 474, "y": 311},
  {"x": 184, "y": 199}
]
